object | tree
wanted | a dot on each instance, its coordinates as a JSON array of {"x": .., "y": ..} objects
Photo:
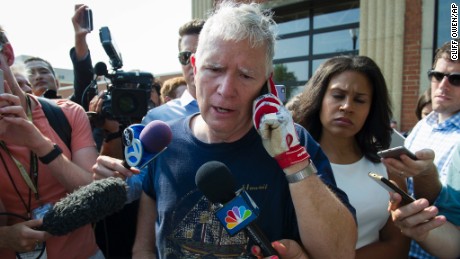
[{"x": 282, "y": 75}]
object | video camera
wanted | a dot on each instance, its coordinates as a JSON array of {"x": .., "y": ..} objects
[{"x": 128, "y": 94}]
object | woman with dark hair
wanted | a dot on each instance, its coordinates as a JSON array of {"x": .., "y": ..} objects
[
  {"x": 423, "y": 104},
  {"x": 346, "y": 107},
  {"x": 423, "y": 107}
]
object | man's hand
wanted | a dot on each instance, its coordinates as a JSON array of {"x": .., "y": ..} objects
[
  {"x": 22, "y": 237},
  {"x": 416, "y": 219},
  {"x": 287, "y": 249},
  {"x": 15, "y": 126},
  {"x": 111, "y": 167},
  {"x": 95, "y": 108},
  {"x": 276, "y": 127},
  {"x": 412, "y": 168}
]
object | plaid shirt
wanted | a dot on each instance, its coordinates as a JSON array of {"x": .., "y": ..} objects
[{"x": 442, "y": 139}]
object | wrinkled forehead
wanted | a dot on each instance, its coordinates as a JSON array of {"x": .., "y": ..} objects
[{"x": 37, "y": 64}]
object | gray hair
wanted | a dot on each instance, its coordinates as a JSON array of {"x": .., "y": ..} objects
[{"x": 238, "y": 21}]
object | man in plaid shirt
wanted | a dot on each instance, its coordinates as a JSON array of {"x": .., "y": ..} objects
[{"x": 440, "y": 130}]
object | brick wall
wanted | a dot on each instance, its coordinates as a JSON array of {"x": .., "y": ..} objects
[{"x": 412, "y": 52}]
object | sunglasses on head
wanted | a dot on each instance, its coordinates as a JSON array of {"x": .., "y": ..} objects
[
  {"x": 184, "y": 57},
  {"x": 453, "y": 78}
]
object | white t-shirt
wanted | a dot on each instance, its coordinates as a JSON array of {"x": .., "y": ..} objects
[{"x": 369, "y": 199}]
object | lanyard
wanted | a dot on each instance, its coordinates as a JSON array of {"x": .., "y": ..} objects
[
  {"x": 30, "y": 178},
  {"x": 22, "y": 170}
]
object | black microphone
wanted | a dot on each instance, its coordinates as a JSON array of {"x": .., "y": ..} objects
[
  {"x": 238, "y": 210},
  {"x": 100, "y": 69},
  {"x": 87, "y": 204}
]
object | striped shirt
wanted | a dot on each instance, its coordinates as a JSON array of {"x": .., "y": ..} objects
[{"x": 442, "y": 138}]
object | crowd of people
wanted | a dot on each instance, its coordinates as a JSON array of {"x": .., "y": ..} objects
[{"x": 305, "y": 165}]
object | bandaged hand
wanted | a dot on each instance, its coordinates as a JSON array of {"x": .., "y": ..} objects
[{"x": 276, "y": 127}]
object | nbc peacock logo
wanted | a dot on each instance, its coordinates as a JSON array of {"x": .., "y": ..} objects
[{"x": 236, "y": 216}]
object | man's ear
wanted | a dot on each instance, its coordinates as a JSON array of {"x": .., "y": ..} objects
[
  {"x": 9, "y": 53},
  {"x": 58, "y": 83},
  {"x": 193, "y": 62}
]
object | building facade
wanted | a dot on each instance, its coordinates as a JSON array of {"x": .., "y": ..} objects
[{"x": 400, "y": 36}]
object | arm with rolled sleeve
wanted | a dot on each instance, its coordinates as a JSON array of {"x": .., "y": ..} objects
[{"x": 318, "y": 202}]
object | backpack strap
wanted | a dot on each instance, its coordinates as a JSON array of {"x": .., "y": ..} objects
[{"x": 57, "y": 120}]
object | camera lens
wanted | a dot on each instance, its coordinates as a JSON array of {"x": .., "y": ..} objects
[{"x": 127, "y": 104}]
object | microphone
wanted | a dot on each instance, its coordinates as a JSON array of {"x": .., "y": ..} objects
[
  {"x": 100, "y": 69},
  {"x": 145, "y": 143},
  {"x": 87, "y": 204},
  {"x": 238, "y": 210}
]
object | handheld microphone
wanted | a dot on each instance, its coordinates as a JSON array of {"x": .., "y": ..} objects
[
  {"x": 145, "y": 143},
  {"x": 87, "y": 204},
  {"x": 238, "y": 210}
]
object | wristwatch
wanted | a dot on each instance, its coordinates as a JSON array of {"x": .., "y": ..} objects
[
  {"x": 302, "y": 174},
  {"x": 46, "y": 159}
]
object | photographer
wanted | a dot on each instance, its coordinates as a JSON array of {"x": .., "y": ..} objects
[{"x": 109, "y": 117}]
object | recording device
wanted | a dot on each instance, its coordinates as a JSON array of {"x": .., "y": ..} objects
[
  {"x": 396, "y": 152},
  {"x": 86, "y": 21},
  {"x": 281, "y": 90},
  {"x": 87, "y": 204},
  {"x": 237, "y": 210},
  {"x": 144, "y": 143},
  {"x": 2, "y": 87},
  {"x": 128, "y": 95},
  {"x": 390, "y": 187}
]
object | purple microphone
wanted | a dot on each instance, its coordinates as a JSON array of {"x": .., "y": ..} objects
[{"x": 145, "y": 143}]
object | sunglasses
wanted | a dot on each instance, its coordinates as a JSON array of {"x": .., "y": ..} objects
[
  {"x": 184, "y": 57},
  {"x": 453, "y": 78}
]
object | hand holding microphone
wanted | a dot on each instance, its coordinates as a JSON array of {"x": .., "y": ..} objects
[
  {"x": 238, "y": 211},
  {"x": 276, "y": 127}
]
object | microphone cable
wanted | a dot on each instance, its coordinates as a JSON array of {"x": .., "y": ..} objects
[{"x": 85, "y": 96}]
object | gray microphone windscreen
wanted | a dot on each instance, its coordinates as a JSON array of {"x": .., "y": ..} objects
[{"x": 87, "y": 204}]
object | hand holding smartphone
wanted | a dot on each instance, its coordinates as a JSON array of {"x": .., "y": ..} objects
[
  {"x": 396, "y": 152},
  {"x": 86, "y": 21},
  {"x": 390, "y": 187}
]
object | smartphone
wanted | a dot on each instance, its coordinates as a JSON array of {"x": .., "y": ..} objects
[
  {"x": 281, "y": 90},
  {"x": 2, "y": 87},
  {"x": 396, "y": 152},
  {"x": 391, "y": 187},
  {"x": 87, "y": 20}
]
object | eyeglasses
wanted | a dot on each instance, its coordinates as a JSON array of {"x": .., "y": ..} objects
[
  {"x": 454, "y": 78},
  {"x": 184, "y": 57}
]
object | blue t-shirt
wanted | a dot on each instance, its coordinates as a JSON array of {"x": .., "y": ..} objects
[
  {"x": 186, "y": 225},
  {"x": 448, "y": 201}
]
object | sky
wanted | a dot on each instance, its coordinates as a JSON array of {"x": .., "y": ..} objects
[{"x": 145, "y": 31}]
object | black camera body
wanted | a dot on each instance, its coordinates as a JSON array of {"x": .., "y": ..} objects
[{"x": 128, "y": 94}]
